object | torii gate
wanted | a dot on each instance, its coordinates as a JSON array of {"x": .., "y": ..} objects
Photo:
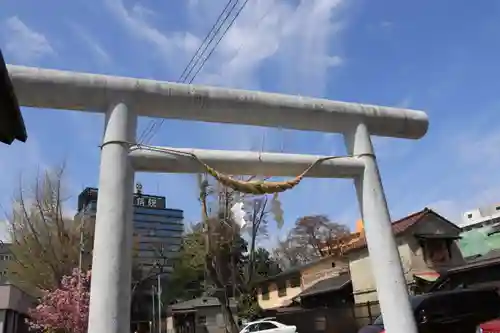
[{"x": 122, "y": 100}]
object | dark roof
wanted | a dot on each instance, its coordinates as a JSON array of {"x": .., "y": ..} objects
[
  {"x": 491, "y": 258},
  {"x": 199, "y": 302},
  {"x": 331, "y": 284},
  {"x": 11, "y": 120},
  {"x": 195, "y": 303},
  {"x": 438, "y": 236},
  {"x": 294, "y": 270},
  {"x": 492, "y": 254}
]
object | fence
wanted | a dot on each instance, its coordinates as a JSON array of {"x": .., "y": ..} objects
[{"x": 347, "y": 319}]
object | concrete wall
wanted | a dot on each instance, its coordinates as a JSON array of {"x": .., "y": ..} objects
[
  {"x": 274, "y": 300},
  {"x": 360, "y": 266},
  {"x": 12, "y": 298},
  {"x": 327, "y": 268},
  {"x": 214, "y": 320}
]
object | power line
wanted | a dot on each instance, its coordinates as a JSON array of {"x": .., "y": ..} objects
[
  {"x": 220, "y": 39},
  {"x": 206, "y": 38},
  {"x": 149, "y": 132},
  {"x": 192, "y": 63}
]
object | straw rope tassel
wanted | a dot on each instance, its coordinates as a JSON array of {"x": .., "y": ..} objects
[{"x": 256, "y": 187}]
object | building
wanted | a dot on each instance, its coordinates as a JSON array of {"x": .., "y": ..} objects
[
  {"x": 480, "y": 217},
  {"x": 296, "y": 284},
  {"x": 14, "y": 303},
  {"x": 5, "y": 258},
  {"x": 427, "y": 243},
  {"x": 157, "y": 229},
  {"x": 480, "y": 231},
  {"x": 14, "y": 306},
  {"x": 479, "y": 272},
  {"x": 199, "y": 315}
]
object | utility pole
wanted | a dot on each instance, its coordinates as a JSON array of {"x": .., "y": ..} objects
[
  {"x": 153, "y": 317},
  {"x": 81, "y": 251},
  {"x": 159, "y": 303},
  {"x": 80, "y": 257}
]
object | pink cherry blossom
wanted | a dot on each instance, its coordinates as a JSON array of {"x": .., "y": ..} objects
[{"x": 66, "y": 308}]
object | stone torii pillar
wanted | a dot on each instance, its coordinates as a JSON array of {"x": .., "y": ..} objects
[{"x": 122, "y": 100}]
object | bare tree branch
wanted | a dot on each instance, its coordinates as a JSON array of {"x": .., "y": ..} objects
[{"x": 44, "y": 244}]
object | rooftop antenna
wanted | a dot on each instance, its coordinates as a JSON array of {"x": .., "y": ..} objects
[{"x": 138, "y": 188}]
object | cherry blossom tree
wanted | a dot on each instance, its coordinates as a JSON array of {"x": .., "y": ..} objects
[{"x": 65, "y": 309}]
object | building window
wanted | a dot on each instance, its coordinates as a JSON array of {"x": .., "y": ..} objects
[
  {"x": 267, "y": 326},
  {"x": 253, "y": 328},
  {"x": 469, "y": 216},
  {"x": 295, "y": 282},
  {"x": 436, "y": 251},
  {"x": 265, "y": 292},
  {"x": 202, "y": 320},
  {"x": 281, "y": 288}
]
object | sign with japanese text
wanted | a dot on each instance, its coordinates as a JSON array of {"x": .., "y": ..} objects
[{"x": 149, "y": 201}]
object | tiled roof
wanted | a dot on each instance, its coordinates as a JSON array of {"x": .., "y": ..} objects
[
  {"x": 398, "y": 227},
  {"x": 357, "y": 241},
  {"x": 331, "y": 284}
]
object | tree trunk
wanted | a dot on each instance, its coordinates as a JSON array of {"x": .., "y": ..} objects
[
  {"x": 227, "y": 312},
  {"x": 221, "y": 295}
]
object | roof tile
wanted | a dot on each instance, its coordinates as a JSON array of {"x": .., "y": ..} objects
[{"x": 398, "y": 227}]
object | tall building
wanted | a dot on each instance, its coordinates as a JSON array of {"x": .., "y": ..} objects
[
  {"x": 480, "y": 217},
  {"x": 157, "y": 229},
  {"x": 480, "y": 232},
  {"x": 5, "y": 258}
]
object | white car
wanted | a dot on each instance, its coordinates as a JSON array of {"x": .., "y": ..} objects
[{"x": 268, "y": 326}]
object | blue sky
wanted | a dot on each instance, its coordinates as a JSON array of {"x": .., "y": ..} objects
[{"x": 438, "y": 56}]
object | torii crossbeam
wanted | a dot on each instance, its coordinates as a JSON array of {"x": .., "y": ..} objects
[{"x": 122, "y": 100}]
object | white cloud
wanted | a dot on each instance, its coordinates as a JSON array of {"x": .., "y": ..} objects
[
  {"x": 455, "y": 173},
  {"x": 300, "y": 38},
  {"x": 298, "y": 42},
  {"x": 135, "y": 21},
  {"x": 297, "y": 39},
  {"x": 25, "y": 44},
  {"x": 448, "y": 208},
  {"x": 101, "y": 55},
  {"x": 386, "y": 24}
]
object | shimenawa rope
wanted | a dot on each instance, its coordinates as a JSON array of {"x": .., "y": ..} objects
[{"x": 251, "y": 187}]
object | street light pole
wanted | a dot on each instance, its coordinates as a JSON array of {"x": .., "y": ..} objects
[
  {"x": 159, "y": 304},
  {"x": 153, "y": 302},
  {"x": 80, "y": 257}
]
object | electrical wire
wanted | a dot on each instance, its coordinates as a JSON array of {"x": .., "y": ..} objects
[
  {"x": 185, "y": 79},
  {"x": 155, "y": 125},
  {"x": 220, "y": 39}
]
